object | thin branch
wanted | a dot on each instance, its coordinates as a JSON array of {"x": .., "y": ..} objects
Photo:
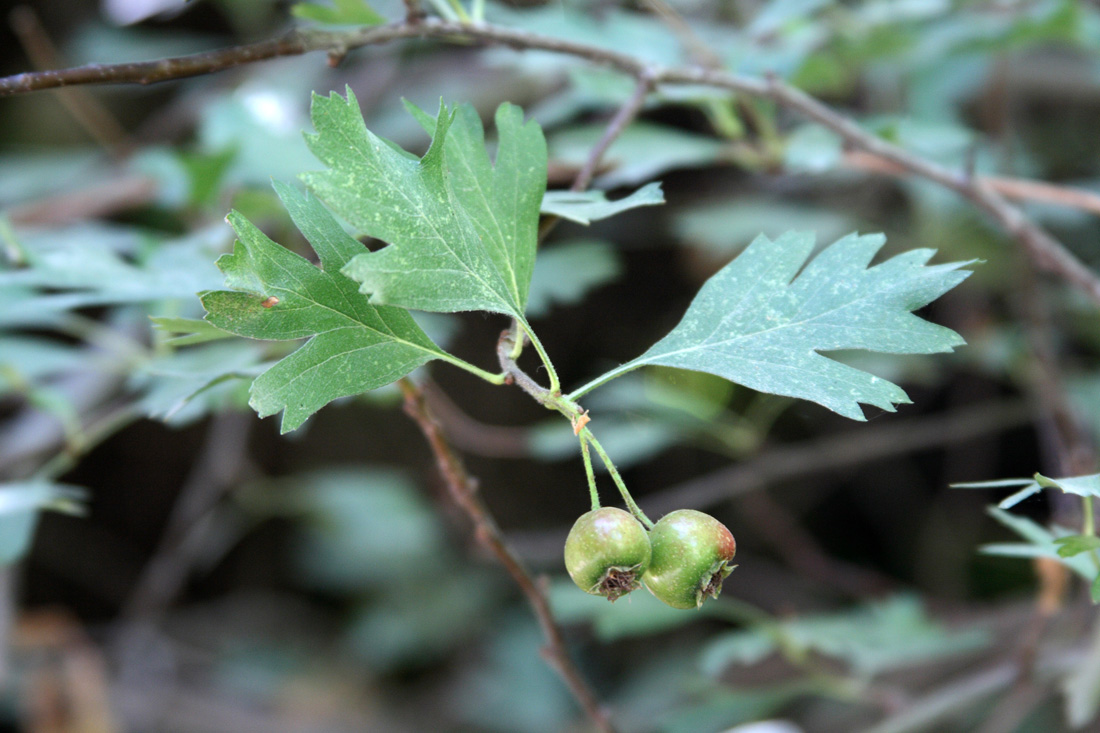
[
  {"x": 615, "y": 127},
  {"x": 1020, "y": 189},
  {"x": 7, "y": 621},
  {"x": 217, "y": 470},
  {"x": 99, "y": 123},
  {"x": 700, "y": 52},
  {"x": 847, "y": 449},
  {"x": 1045, "y": 251},
  {"x": 300, "y": 42},
  {"x": 463, "y": 491},
  {"x": 107, "y": 197},
  {"x": 780, "y": 528},
  {"x": 962, "y": 693},
  {"x": 473, "y": 436}
]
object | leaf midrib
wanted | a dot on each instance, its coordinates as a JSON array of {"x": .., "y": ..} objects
[
  {"x": 428, "y": 220},
  {"x": 723, "y": 342},
  {"x": 353, "y": 320}
]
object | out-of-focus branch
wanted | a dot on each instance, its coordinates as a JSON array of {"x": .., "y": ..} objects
[
  {"x": 463, "y": 491},
  {"x": 838, "y": 451},
  {"x": 85, "y": 109},
  {"x": 615, "y": 127},
  {"x": 105, "y": 198},
  {"x": 1019, "y": 189},
  {"x": 223, "y": 459},
  {"x": 1045, "y": 252},
  {"x": 7, "y": 620}
]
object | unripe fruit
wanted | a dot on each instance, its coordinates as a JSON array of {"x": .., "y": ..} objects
[
  {"x": 691, "y": 558},
  {"x": 606, "y": 552}
]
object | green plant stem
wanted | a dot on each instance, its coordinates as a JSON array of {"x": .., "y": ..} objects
[
  {"x": 602, "y": 379},
  {"x": 1088, "y": 527},
  {"x": 553, "y": 400},
  {"x": 555, "y": 385},
  {"x": 462, "y": 489},
  {"x": 586, "y": 435},
  {"x": 592, "y": 490},
  {"x": 476, "y": 371}
]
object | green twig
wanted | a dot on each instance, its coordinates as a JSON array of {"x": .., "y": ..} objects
[
  {"x": 590, "y": 474},
  {"x": 476, "y": 371},
  {"x": 555, "y": 386},
  {"x": 586, "y": 435},
  {"x": 1088, "y": 527}
]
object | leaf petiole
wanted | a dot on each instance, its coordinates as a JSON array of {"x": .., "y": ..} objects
[
  {"x": 601, "y": 380},
  {"x": 555, "y": 385},
  {"x": 476, "y": 371}
]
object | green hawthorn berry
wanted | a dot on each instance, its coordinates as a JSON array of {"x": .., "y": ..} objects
[
  {"x": 606, "y": 552},
  {"x": 691, "y": 558}
]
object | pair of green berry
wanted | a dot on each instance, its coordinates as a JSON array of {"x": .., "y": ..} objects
[{"x": 683, "y": 559}]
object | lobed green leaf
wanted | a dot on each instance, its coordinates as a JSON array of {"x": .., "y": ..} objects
[
  {"x": 764, "y": 318},
  {"x": 353, "y": 346},
  {"x": 462, "y": 229}
]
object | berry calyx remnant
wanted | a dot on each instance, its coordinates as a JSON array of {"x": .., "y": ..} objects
[
  {"x": 607, "y": 552},
  {"x": 691, "y": 554}
]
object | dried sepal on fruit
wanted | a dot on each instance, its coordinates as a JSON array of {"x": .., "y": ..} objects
[
  {"x": 691, "y": 557},
  {"x": 607, "y": 552}
]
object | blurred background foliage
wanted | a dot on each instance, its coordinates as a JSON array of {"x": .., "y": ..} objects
[{"x": 207, "y": 575}]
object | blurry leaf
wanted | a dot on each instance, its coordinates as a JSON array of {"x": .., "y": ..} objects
[
  {"x": 699, "y": 394},
  {"x": 1080, "y": 485},
  {"x": 341, "y": 12},
  {"x": 773, "y": 15},
  {"x": 1040, "y": 543},
  {"x": 406, "y": 629},
  {"x": 28, "y": 176},
  {"x": 353, "y": 346},
  {"x": 612, "y": 29},
  {"x": 812, "y": 149},
  {"x": 364, "y": 529},
  {"x": 189, "y": 330},
  {"x": 641, "y": 153},
  {"x": 638, "y": 614},
  {"x": 185, "y": 385},
  {"x": 589, "y": 206},
  {"x": 753, "y": 324},
  {"x": 1075, "y": 544},
  {"x": 1094, "y": 590},
  {"x": 513, "y": 689},
  {"x": 872, "y": 639},
  {"x": 20, "y": 503},
  {"x": 86, "y": 266},
  {"x": 738, "y": 647},
  {"x": 722, "y": 708},
  {"x": 27, "y": 359},
  {"x": 262, "y": 125},
  {"x": 945, "y": 141},
  {"x": 205, "y": 173},
  {"x": 461, "y": 229},
  {"x": 566, "y": 271},
  {"x": 630, "y": 439},
  {"x": 727, "y": 226},
  {"x": 1081, "y": 686},
  {"x": 1030, "y": 488}
]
